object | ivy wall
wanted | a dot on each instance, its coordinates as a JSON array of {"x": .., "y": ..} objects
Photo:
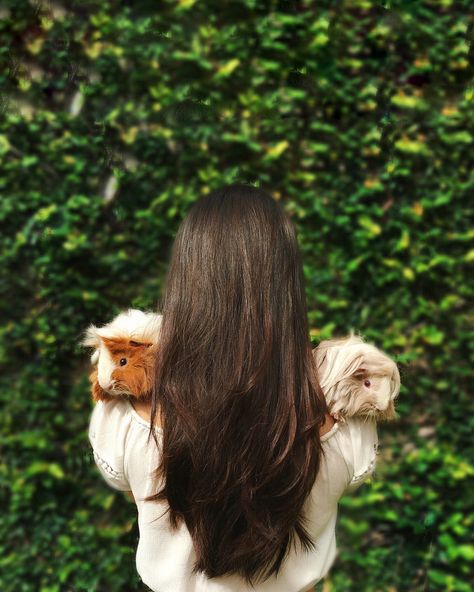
[{"x": 114, "y": 118}]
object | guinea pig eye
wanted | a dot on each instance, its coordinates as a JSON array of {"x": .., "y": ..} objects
[
  {"x": 123, "y": 361},
  {"x": 367, "y": 382}
]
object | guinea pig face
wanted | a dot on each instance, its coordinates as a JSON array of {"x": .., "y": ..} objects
[
  {"x": 125, "y": 366},
  {"x": 373, "y": 394}
]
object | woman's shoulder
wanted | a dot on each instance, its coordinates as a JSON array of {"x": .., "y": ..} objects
[
  {"x": 109, "y": 426},
  {"x": 355, "y": 439},
  {"x": 108, "y": 419},
  {"x": 119, "y": 439}
]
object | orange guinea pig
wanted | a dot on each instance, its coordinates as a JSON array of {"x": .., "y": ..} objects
[{"x": 125, "y": 350}]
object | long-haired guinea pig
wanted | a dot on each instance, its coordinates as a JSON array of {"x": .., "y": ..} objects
[
  {"x": 357, "y": 378},
  {"x": 124, "y": 351}
]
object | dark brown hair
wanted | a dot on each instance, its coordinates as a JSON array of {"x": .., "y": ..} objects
[{"x": 236, "y": 383}]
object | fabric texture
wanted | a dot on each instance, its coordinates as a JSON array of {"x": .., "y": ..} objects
[{"x": 165, "y": 558}]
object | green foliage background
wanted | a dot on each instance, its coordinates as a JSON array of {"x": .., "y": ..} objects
[{"x": 115, "y": 118}]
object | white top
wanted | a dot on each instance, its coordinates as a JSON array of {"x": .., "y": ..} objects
[{"x": 164, "y": 558}]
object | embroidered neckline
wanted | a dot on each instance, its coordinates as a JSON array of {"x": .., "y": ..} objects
[
  {"x": 331, "y": 432},
  {"x": 140, "y": 420},
  {"x": 146, "y": 424}
]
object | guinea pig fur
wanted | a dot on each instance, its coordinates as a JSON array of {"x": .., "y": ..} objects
[
  {"x": 357, "y": 378},
  {"x": 124, "y": 353}
]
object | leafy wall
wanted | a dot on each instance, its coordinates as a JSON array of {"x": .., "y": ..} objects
[{"x": 114, "y": 118}]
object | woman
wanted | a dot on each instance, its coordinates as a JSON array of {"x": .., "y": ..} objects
[{"x": 240, "y": 484}]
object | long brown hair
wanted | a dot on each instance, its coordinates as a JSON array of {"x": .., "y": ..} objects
[{"x": 237, "y": 386}]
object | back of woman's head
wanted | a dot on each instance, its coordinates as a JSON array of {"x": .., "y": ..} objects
[{"x": 236, "y": 383}]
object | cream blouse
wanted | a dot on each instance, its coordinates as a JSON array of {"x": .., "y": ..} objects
[{"x": 164, "y": 559}]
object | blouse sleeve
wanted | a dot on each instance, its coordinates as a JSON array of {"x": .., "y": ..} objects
[
  {"x": 108, "y": 429},
  {"x": 363, "y": 451}
]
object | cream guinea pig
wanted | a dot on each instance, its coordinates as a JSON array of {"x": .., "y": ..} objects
[{"x": 357, "y": 378}]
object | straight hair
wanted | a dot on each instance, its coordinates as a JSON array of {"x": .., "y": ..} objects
[{"x": 236, "y": 385}]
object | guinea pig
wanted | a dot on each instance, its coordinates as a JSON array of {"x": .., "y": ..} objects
[
  {"x": 357, "y": 378},
  {"x": 124, "y": 351}
]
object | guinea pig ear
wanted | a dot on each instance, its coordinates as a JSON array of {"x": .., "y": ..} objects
[
  {"x": 338, "y": 359},
  {"x": 134, "y": 343},
  {"x": 320, "y": 357}
]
